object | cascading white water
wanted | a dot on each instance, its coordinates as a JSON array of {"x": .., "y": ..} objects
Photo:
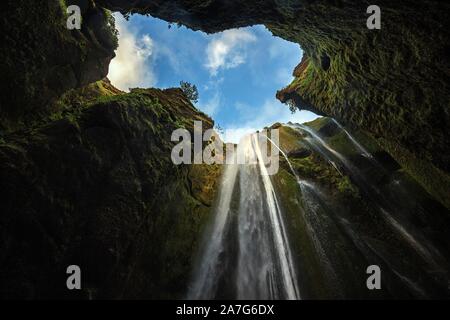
[
  {"x": 246, "y": 252},
  {"x": 263, "y": 268},
  {"x": 284, "y": 156},
  {"x": 279, "y": 231},
  {"x": 386, "y": 207},
  {"x": 208, "y": 270},
  {"x": 310, "y": 194},
  {"x": 320, "y": 145},
  {"x": 357, "y": 145}
]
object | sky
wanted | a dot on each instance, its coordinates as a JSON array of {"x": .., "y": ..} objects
[{"x": 237, "y": 72}]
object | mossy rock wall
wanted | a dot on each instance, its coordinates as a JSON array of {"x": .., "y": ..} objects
[
  {"x": 97, "y": 188},
  {"x": 336, "y": 228},
  {"x": 42, "y": 59}
]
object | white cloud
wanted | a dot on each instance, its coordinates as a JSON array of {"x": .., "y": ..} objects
[
  {"x": 172, "y": 57},
  {"x": 272, "y": 111},
  {"x": 284, "y": 76},
  {"x": 234, "y": 135},
  {"x": 228, "y": 49},
  {"x": 210, "y": 107},
  {"x": 131, "y": 68}
]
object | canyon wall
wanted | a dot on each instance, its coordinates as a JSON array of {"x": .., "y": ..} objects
[
  {"x": 95, "y": 186},
  {"x": 85, "y": 170}
]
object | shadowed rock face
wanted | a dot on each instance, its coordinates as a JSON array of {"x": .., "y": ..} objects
[
  {"x": 97, "y": 188},
  {"x": 42, "y": 59},
  {"x": 209, "y": 15},
  {"x": 339, "y": 208}
]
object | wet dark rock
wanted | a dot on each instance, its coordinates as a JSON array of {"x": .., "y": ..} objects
[
  {"x": 335, "y": 222},
  {"x": 98, "y": 189},
  {"x": 42, "y": 59},
  {"x": 276, "y": 125},
  {"x": 329, "y": 129},
  {"x": 299, "y": 153}
]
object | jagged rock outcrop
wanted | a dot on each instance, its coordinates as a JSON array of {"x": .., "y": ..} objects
[
  {"x": 42, "y": 59},
  {"x": 96, "y": 187}
]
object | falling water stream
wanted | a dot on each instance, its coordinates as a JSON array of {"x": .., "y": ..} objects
[
  {"x": 389, "y": 209},
  {"x": 358, "y": 146},
  {"x": 263, "y": 268},
  {"x": 208, "y": 272},
  {"x": 246, "y": 252}
]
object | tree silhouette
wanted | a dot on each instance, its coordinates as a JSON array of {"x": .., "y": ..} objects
[{"x": 190, "y": 90}]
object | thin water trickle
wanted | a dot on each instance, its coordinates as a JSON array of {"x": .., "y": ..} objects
[
  {"x": 208, "y": 271},
  {"x": 385, "y": 205},
  {"x": 310, "y": 211},
  {"x": 284, "y": 155},
  {"x": 358, "y": 146}
]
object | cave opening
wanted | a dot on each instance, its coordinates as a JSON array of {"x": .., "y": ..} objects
[
  {"x": 237, "y": 72},
  {"x": 325, "y": 62}
]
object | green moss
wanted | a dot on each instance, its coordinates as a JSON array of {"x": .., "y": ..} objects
[
  {"x": 115, "y": 149},
  {"x": 110, "y": 27},
  {"x": 305, "y": 255},
  {"x": 318, "y": 123},
  {"x": 347, "y": 188},
  {"x": 314, "y": 167},
  {"x": 307, "y": 79},
  {"x": 42, "y": 59},
  {"x": 307, "y": 167},
  {"x": 63, "y": 5},
  {"x": 433, "y": 180},
  {"x": 339, "y": 140},
  {"x": 399, "y": 95}
]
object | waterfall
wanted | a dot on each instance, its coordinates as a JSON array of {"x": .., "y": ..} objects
[
  {"x": 262, "y": 267},
  {"x": 209, "y": 270},
  {"x": 312, "y": 199},
  {"x": 388, "y": 208},
  {"x": 357, "y": 145},
  {"x": 246, "y": 253},
  {"x": 284, "y": 156},
  {"x": 279, "y": 231},
  {"x": 322, "y": 147}
]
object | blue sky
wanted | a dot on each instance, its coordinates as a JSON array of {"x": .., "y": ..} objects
[{"x": 237, "y": 72}]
